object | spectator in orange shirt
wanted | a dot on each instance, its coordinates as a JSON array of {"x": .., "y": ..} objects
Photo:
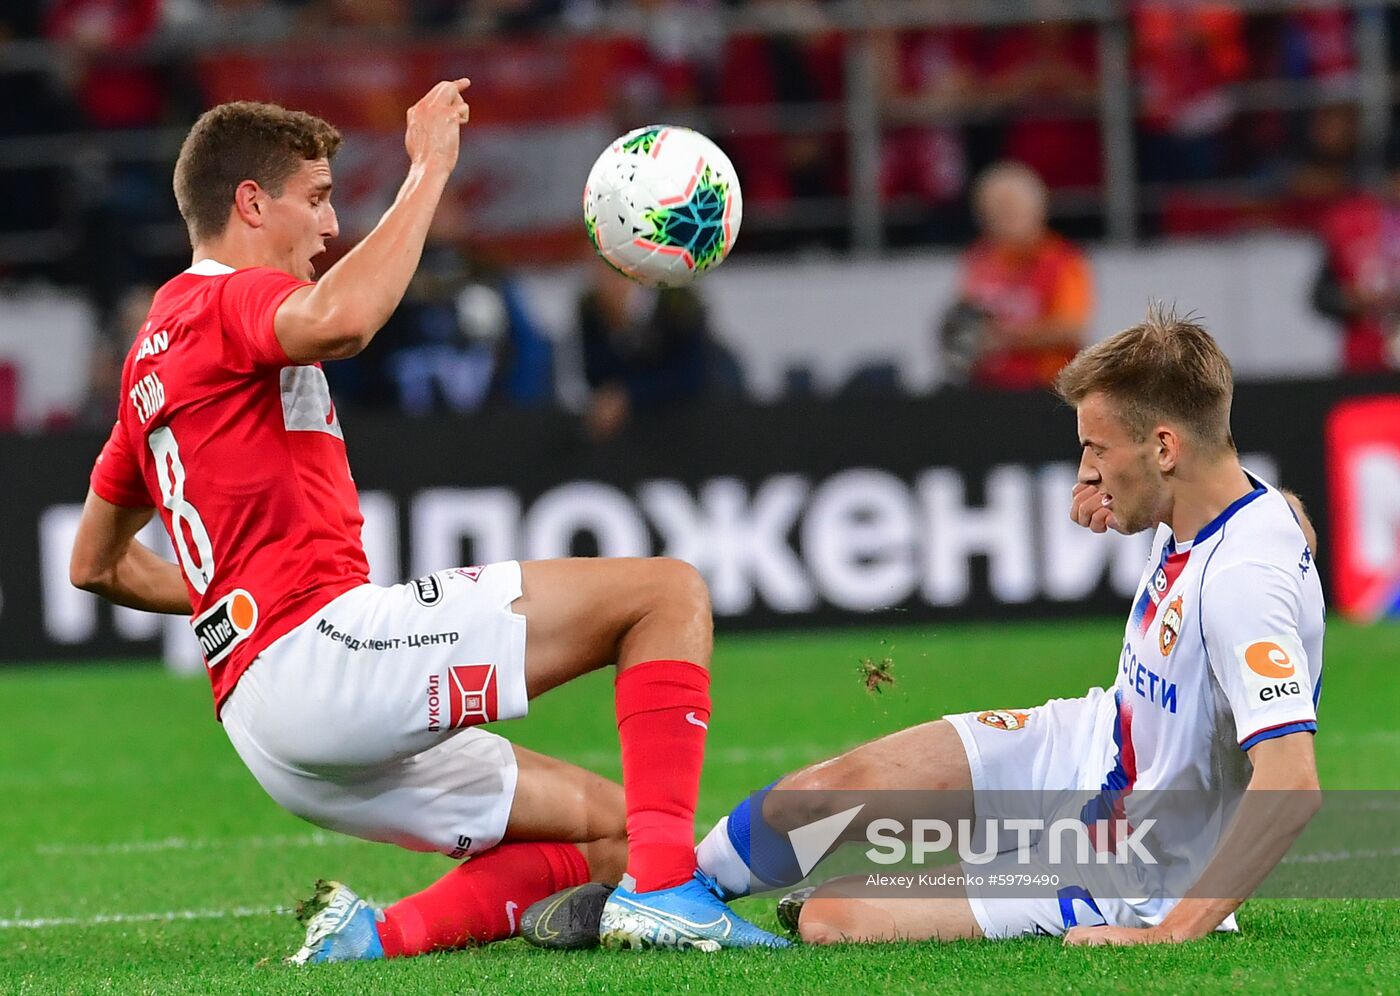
[{"x": 1027, "y": 291}]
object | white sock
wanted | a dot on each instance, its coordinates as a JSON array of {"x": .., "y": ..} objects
[{"x": 717, "y": 858}]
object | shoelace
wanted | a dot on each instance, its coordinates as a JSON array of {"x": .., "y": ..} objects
[{"x": 710, "y": 883}]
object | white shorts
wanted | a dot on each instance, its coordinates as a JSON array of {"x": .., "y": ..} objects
[
  {"x": 1037, "y": 748},
  {"x": 1044, "y": 756},
  {"x": 1040, "y": 751},
  {"x": 361, "y": 719}
]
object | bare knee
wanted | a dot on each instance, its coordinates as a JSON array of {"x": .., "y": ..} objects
[
  {"x": 674, "y": 615},
  {"x": 813, "y": 793},
  {"x": 840, "y": 774},
  {"x": 680, "y": 585},
  {"x": 841, "y": 920}
]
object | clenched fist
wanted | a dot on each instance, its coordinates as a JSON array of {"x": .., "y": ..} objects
[
  {"x": 1087, "y": 508},
  {"x": 435, "y": 125}
]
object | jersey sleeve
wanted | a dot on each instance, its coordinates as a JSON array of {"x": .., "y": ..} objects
[
  {"x": 1249, "y": 615},
  {"x": 116, "y": 476},
  {"x": 249, "y": 305}
]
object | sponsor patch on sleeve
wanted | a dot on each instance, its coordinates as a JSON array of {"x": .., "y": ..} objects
[
  {"x": 1004, "y": 719},
  {"x": 1273, "y": 668}
]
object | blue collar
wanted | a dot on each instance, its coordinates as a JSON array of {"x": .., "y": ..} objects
[{"x": 1214, "y": 525}]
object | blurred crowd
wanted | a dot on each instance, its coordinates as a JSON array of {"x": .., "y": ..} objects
[
  {"x": 951, "y": 100},
  {"x": 989, "y": 140}
]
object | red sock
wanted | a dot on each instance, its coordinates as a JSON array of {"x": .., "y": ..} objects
[
  {"x": 481, "y": 899},
  {"x": 663, "y": 712}
]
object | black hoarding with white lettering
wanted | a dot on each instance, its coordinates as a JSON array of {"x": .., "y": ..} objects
[{"x": 871, "y": 510}]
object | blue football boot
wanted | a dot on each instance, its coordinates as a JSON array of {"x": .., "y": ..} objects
[
  {"x": 340, "y": 926},
  {"x": 689, "y": 917}
]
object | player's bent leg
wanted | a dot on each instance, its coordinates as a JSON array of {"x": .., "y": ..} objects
[
  {"x": 651, "y": 617},
  {"x": 586, "y": 614},
  {"x": 928, "y": 758},
  {"x": 557, "y": 825},
  {"x": 555, "y": 800},
  {"x": 836, "y": 913},
  {"x": 558, "y": 801}
]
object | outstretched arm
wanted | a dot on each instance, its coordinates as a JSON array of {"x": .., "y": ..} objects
[
  {"x": 1283, "y": 795},
  {"x": 108, "y": 561}
]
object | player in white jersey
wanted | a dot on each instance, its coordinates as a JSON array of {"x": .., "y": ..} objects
[{"x": 1213, "y": 703}]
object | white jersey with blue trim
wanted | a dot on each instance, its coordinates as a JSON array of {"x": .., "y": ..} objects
[
  {"x": 1222, "y": 651},
  {"x": 1223, "y": 648}
]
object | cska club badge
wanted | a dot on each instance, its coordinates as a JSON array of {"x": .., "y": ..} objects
[
  {"x": 1004, "y": 719},
  {"x": 1171, "y": 627}
]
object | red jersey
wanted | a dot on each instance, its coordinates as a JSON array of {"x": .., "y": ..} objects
[{"x": 241, "y": 451}]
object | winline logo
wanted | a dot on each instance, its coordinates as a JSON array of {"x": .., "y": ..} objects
[{"x": 225, "y": 625}]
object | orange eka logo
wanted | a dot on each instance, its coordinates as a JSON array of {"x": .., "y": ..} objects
[{"x": 1268, "y": 660}]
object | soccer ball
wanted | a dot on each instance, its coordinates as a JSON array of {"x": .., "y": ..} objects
[{"x": 662, "y": 205}]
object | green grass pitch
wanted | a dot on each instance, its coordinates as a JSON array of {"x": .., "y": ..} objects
[{"x": 136, "y": 854}]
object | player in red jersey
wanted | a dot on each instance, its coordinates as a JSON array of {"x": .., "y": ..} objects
[{"x": 357, "y": 706}]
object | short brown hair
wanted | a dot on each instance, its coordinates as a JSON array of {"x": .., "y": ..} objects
[
  {"x": 241, "y": 141},
  {"x": 1166, "y": 368}
]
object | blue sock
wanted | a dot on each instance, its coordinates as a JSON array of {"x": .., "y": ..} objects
[{"x": 742, "y": 856}]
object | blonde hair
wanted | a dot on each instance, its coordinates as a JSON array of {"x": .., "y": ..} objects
[{"x": 1167, "y": 368}]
